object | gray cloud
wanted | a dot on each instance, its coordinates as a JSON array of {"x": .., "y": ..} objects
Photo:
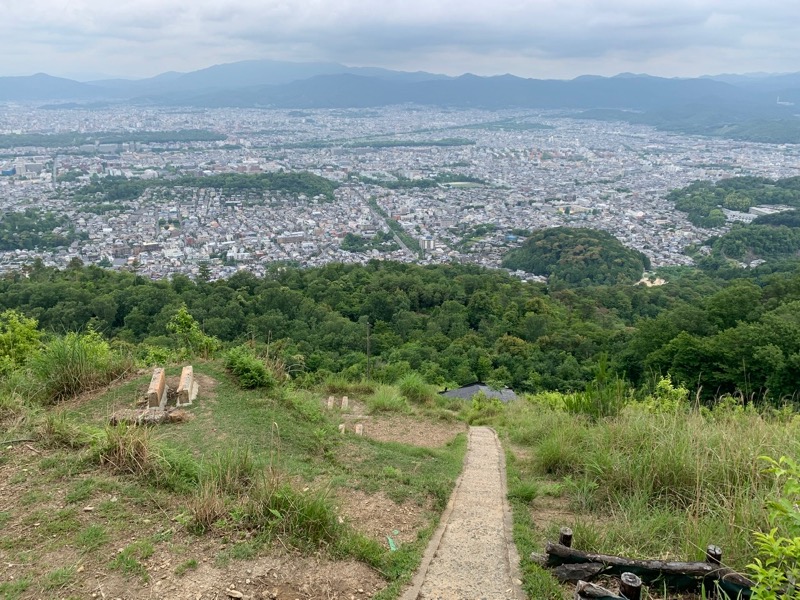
[{"x": 533, "y": 37}]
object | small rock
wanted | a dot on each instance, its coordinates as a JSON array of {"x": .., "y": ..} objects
[
  {"x": 80, "y": 569},
  {"x": 88, "y": 508},
  {"x": 247, "y": 581},
  {"x": 234, "y": 594}
]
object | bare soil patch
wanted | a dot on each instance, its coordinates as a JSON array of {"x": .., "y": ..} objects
[
  {"x": 278, "y": 576},
  {"x": 413, "y": 431},
  {"x": 377, "y": 516},
  {"x": 29, "y": 551}
]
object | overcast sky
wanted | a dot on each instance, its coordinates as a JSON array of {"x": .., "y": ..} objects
[{"x": 533, "y": 38}]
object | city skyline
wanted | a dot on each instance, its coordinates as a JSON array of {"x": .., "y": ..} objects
[{"x": 88, "y": 39}]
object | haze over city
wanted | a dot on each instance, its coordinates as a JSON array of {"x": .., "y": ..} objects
[{"x": 94, "y": 39}]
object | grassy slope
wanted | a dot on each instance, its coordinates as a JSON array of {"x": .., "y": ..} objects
[
  {"x": 289, "y": 431},
  {"x": 641, "y": 484}
]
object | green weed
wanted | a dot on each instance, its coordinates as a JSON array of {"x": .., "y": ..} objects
[
  {"x": 206, "y": 506},
  {"x": 82, "y": 490},
  {"x": 11, "y": 590},
  {"x": 185, "y": 567},
  {"x": 91, "y": 538},
  {"x": 58, "y": 578},
  {"x": 129, "y": 560}
]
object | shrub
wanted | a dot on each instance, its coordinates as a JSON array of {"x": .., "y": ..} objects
[
  {"x": 191, "y": 339},
  {"x": 775, "y": 571},
  {"x": 386, "y": 399},
  {"x": 483, "y": 409},
  {"x": 414, "y": 388},
  {"x": 249, "y": 370},
  {"x": 19, "y": 340},
  {"x": 75, "y": 363}
]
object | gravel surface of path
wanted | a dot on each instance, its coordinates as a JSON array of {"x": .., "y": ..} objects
[{"x": 472, "y": 555}]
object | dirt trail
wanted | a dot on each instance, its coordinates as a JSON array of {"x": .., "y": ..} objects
[{"x": 472, "y": 554}]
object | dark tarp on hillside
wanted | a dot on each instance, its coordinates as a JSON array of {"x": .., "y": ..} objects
[{"x": 468, "y": 391}]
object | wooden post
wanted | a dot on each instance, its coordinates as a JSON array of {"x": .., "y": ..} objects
[
  {"x": 713, "y": 557},
  {"x": 630, "y": 586},
  {"x": 565, "y": 537},
  {"x": 714, "y": 554}
]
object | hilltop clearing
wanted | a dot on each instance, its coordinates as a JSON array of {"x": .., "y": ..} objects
[{"x": 254, "y": 489}]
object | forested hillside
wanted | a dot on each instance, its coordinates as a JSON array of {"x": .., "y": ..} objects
[
  {"x": 578, "y": 257},
  {"x": 703, "y": 200},
  {"x": 453, "y": 324}
]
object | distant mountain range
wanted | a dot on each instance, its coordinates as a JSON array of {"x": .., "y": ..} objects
[{"x": 711, "y": 105}]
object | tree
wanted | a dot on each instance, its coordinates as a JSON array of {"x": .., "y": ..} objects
[
  {"x": 19, "y": 339},
  {"x": 191, "y": 340}
]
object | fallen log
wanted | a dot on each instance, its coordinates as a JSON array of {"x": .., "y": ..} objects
[
  {"x": 577, "y": 572},
  {"x": 677, "y": 576}
]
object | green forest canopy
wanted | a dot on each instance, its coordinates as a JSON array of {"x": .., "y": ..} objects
[
  {"x": 110, "y": 189},
  {"x": 33, "y": 229},
  {"x": 68, "y": 140},
  {"x": 455, "y": 324},
  {"x": 703, "y": 200},
  {"x": 578, "y": 257}
]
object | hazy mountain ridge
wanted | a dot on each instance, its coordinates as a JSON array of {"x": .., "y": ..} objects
[{"x": 712, "y": 105}]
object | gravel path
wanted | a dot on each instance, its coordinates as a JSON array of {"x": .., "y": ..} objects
[{"x": 472, "y": 554}]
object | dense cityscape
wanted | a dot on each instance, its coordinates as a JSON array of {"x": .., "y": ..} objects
[{"x": 490, "y": 177}]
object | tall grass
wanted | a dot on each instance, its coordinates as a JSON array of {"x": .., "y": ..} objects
[
  {"x": 130, "y": 450},
  {"x": 307, "y": 519},
  {"x": 663, "y": 483},
  {"x": 75, "y": 363},
  {"x": 338, "y": 384},
  {"x": 386, "y": 398},
  {"x": 231, "y": 471},
  {"x": 415, "y": 389}
]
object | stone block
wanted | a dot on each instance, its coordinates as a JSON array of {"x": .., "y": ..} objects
[
  {"x": 187, "y": 388},
  {"x": 359, "y": 429},
  {"x": 157, "y": 392},
  {"x": 331, "y": 400},
  {"x": 345, "y": 402},
  {"x": 341, "y": 428}
]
